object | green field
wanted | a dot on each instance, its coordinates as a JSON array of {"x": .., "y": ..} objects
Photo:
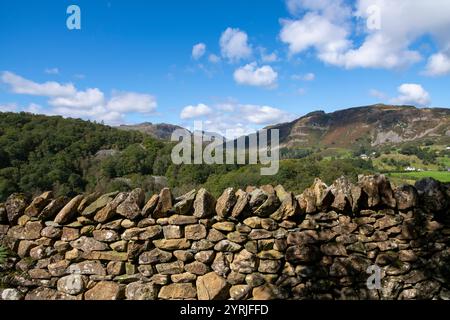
[{"x": 414, "y": 176}]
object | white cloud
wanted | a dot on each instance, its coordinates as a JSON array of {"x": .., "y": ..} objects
[
  {"x": 24, "y": 86},
  {"x": 8, "y": 107},
  {"x": 132, "y": 102},
  {"x": 328, "y": 28},
  {"x": 438, "y": 65},
  {"x": 80, "y": 99},
  {"x": 52, "y": 71},
  {"x": 200, "y": 110},
  {"x": 90, "y": 104},
  {"x": 251, "y": 75},
  {"x": 34, "y": 108},
  {"x": 234, "y": 45},
  {"x": 304, "y": 77},
  {"x": 213, "y": 58},
  {"x": 377, "y": 94},
  {"x": 412, "y": 94},
  {"x": 232, "y": 119},
  {"x": 262, "y": 115},
  {"x": 267, "y": 57},
  {"x": 198, "y": 50}
]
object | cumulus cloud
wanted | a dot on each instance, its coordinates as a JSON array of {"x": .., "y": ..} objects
[
  {"x": 49, "y": 89},
  {"x": 200, "y": 110},
  {"x": 232, "y": 119},
  {"x": 213, "y": 58},
  {"x": 251, "y": 75},
  {"x": 90, "y": 104},
  {"x": 132, "y": 102},
  {"x": 327, "y": 27},
  {"x": 377, "y": 94},
  {"x": 198, "y": 50},
  {"x": 234, "y": 45},
  {"x": 412, "y": 94},
  {"x": 438, "y": 65}
]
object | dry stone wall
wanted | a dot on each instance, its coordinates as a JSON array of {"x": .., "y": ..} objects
[{"x": 259, "y": 243}]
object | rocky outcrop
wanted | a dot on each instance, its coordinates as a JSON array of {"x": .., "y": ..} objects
[{"x": 261, "y": 243}]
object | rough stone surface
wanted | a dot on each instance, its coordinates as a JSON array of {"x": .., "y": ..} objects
[{"x": 261, "y": 243}]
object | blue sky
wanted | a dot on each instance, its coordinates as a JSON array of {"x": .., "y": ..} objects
[{"x": 256, "y": 63}]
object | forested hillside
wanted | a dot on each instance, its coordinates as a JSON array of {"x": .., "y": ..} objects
[{"x": 70, "y": 156}]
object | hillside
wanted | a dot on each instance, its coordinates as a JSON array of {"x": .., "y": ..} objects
[
  {"x": 157, "y": 131},
  {"x": 366, "y": 126}
]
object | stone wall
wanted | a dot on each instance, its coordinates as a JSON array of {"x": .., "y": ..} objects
[{"x": 261, "y": 243}]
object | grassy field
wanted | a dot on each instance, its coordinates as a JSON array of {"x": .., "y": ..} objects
[{"x": 414, "y": 176}]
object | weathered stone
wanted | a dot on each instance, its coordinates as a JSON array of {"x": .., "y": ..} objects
[
  {"x": 183, "y": 277},
  {"x": 98, "y": 204},
  {"x": 244, "y": 262},
  {"x": 221, "y": 263},
  {"x": 195, "y": 232},
  {"x": 170, "y": 268},
  {"x": 197, "y": 268},
  {"x": 172, "y": 232},
  {"x": 226, "y": 245},
  {"x": 257, "y": 234},
  {"x": 72, "y": 284},
  {"x": 253, "y": 222},
  {"x": 38, "y": 204},
  {"x": 268, "y": 292},
  {"x": 184, "y": 203},
  {"x": 432, "y": 194},
  {"x": 212, "y": 287},
  {"x": 215, "y": 235},
  {"x": 53, "y": 208},
  {"x": 39, "y": 274},
  {"x": 182, "y": 220},
  {"x": 333, "y": 249},
  {"x": 150, "y": 206},
  {"x": 202, "y": 245},
  {"x": 242, "y": 202},
  {"x": 43, "y": 293},
  {"x": 12, "y": 295},
  {"x": 226, "y": 226},
  {"x": 172, "y": 244},
  {"x": 184, "y": 256},
  {"x": 70, "y": 234},
  {"x": 271, "y": 255},
  {"x": 155, "y": 256},
  {"x": 164, "y": 204},
  {"x": 15, "y": 206},
  {"x": 120, "y": 246},
  {"x": 58, "y": 268},
  {"x": 302, "y": 237},
  {"x": 109, "y": 210},
  {"x": 237, "y": 237},
  {"x": 204, "y": 204},
  {"x": 178, "y": 291},
  {"x": 88, "y": 245},
  {"x": 105, "y": 235},
  {"x": 115, "y": 268},
  {"x": 69, "y": 211},
  {"x": 141, "y": 291},
  {"x": 151, "y": 232},
  {"x": 269, "y": 266},
  {"x": 205, "y": 256},
  {"x": 104, "y": 290},
  {"x": 302, "y": 254},
  {"x": 131, "y": 207},
  {"x": 87, "y": 268},
  {"x": 406, "y": 197},
  {"x": 226, "y": 202},
  {"x": 240, "y": 292}
]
